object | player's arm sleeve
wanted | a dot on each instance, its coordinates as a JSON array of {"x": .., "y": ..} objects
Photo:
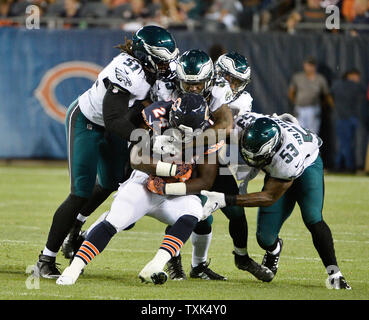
[{"x": 117, "y": 119}]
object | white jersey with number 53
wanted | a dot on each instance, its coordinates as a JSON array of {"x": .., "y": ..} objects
[
  {"x": 299, "y": 148},
  {"x": 125, "y": 72}
]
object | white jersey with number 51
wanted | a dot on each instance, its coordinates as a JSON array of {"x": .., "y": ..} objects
[
  {"x": 299, "y": 148},
  {"x": 125, "y": 73}
]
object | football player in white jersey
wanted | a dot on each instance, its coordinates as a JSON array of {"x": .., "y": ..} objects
[
  {"x": 171, "y": 200},
  {"x": 195, "y": 73},
  {"x": 235, "y": 70},
  {"x": 289, "y": 156},
  {"x": 98, "y": 125}
]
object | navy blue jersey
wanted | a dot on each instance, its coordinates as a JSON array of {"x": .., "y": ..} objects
[
  {"x": 156, "y": 117},
  {"x": 157, "y": 112}
]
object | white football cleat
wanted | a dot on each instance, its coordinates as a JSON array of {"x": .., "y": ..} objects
[
  {"x": 68, "y": 277},
  {"x": 153, "y": 273},
  {"x": 337, "y": 283}
]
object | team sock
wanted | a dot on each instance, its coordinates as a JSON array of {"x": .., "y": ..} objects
[
  {"x": 81, "y": 218},
  {"x": 87, "y": 252},
  {"x": 49, "y": 253},
  {"x": 200, "y": 247},
  {"x": 99, "y": 219},
  {"x": 173, "y": 241},
  {"x": 96, "y": 241},
  {"x": 63, "y": 220},
  {"x": 172, "y": 245},
  {"x": 238, "y": 228},
  {"x": 323, "y": 242}
]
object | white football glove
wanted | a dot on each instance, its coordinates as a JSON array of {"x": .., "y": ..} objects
[
  {"x": 214, "y": 201},
  {"x": 164, "y": 144},
  {"x": 286, "y": 117}
]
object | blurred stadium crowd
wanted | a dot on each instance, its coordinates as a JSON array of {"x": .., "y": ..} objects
[
  {"x": 343, "y": 99},
  {"x": 291, "y": 16}
]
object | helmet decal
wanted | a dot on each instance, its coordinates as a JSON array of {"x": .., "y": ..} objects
[
  {"x": 176, "y": 104},
  {"x": 260, "y": 141}
]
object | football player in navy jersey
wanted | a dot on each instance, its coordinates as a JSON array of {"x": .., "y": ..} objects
[{"x": 165, "y": 191}]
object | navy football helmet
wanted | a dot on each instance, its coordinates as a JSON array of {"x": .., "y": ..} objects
[{"x": 190, "y": 115}]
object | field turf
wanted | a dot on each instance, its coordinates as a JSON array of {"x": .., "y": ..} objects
[{"x": 30, "y": 195}]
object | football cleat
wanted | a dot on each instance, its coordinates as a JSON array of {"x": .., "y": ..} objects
[
  {"x": 46, "y": 267},
  {"x": 337, "y": 283},
  {"x": 202, "y": 271},
  {"x": 73, "y": 241},
  {"x": 175, "y": 269},
  {"x": 68, "y": 277},
  {"x": 152, "y": 273},
  {"x": 259, "y": 271},
  {"x": 271, "y": 261}
]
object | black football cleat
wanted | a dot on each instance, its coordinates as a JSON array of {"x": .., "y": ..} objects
[
  {"x": 175, "y": 269},
  {"x": 73, "y": 241},
  {"x": 259, "y": 271},
  {"x": 202, "y": 271},
  {"x": 46, "y": 268},
  {"x": 271, "y": 261}
]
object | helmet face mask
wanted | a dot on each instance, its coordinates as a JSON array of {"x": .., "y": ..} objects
[
  {"x": 193, "y": 87},
  {"x": 256, "y": 161},
  {"x": 237, "y": 85},
  {"x": 234, "y": 68},
  {"x": 259, "y": 142},
  {"x": 195, "y": 72}
]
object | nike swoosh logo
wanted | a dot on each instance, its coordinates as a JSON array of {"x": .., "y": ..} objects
[{"x": 215, "y": 206}]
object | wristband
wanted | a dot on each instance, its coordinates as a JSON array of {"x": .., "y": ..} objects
[
  {"x": 175, "y": 189},
  {"x": 164, "y": 169},
  {"x": 230, "y": 199}
]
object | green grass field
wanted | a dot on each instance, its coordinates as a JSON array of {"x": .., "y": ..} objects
[{"x": 30, "y": 195}]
